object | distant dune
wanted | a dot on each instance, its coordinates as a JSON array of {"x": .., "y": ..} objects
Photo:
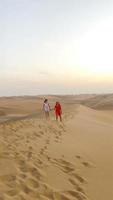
[
  {"x": 14, "y": 107},
  {"x": 29, "y": 104},
  {"x": 103, "y": 102}
]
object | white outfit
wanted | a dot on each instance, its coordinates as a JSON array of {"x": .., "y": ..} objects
[{"x": 46, "y": 107}]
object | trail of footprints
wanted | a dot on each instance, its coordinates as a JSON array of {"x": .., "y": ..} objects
[
  {"x": 28, "y": 183},
  {"x": 53, "y": 134},
  {"x": 83, "y": 162}
]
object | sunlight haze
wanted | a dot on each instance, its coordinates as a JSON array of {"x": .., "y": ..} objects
[{"x": 56, "y": 47}]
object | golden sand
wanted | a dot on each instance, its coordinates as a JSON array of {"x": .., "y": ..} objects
[{"x": 49, "y": 160}]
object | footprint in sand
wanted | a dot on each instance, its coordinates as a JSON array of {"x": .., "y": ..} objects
[
  {"x": 13, "y": 192},
  {"x": 23, "y": 176},
  {"x": 78, "y": 177},
  {"x": 41, "y": 132},
  {"x": 77, "y": 195},
  {"x": 62, "y": 128},
  {"x": 48, "y": 158},
  {"x": 23, "y": 168},
  {"x": 35, "y": 173},
  {"x": 78, "y": 157},
  {"x": 32, "y": 183},
  {"x": 29, "y": 155},
  {"x": 7, "y": 178},
  {"x": 45, "y": 147},
  {"x": 25, "y": 188},
  {"x": 76, "y": 185},
  {"x": 57, "y": 139},
  {"x": 41, "y": 151},
  {"x": 67, "y": 166},
  {"x": 36, "y": 134},
  {"x": 60, "y": 133},
  {"x": 48, "y": 141},
  {"x": 87, "y": 164}
]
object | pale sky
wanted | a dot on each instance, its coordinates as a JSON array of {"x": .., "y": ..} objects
[{"x": 56, "y": 47}]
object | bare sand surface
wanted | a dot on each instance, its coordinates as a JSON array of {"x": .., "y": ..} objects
[{"x": 49, "y": 160}]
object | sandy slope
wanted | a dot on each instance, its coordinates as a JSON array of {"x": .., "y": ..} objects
[
  {"x": 46, "y": 160},
  {"x": 100, "y": 102},
  {"x": 94, "y": 139}
]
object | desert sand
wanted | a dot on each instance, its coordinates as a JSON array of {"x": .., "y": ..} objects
[{"x": 49, "y": 160}]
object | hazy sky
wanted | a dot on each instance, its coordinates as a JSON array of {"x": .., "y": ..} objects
[{"x": 56, "y": 46}]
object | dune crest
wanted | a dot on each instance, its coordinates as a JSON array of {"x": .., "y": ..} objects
[
  {"x": 38, "y": 171},
  {"x": 47, "y": 160}
]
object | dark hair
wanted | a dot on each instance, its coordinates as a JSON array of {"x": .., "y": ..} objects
[{"x": 45, "y": 100}]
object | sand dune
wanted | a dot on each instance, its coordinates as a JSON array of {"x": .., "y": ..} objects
[
  {"x": 102, "y": 102},
  {"x": 35, "y": 170},
  {"x": 47, "y": 160}
]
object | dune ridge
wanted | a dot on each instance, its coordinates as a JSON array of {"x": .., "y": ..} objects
[
  {"x": 38, "y": 172},
  {"x": 44, "y": 160}
]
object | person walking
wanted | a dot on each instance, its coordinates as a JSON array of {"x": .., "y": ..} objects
[
  {"x": 58, "y": 111},
  {"x": 46, "y": 108}
]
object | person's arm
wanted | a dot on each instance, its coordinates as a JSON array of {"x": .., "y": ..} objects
[
  {"x": 49, "y": 106},
  {"x": 60, "y": 109}
]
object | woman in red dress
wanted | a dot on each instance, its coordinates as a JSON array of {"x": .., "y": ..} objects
[{"x": 58, "y": 111}]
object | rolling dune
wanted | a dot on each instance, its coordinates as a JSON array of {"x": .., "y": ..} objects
[
  {"x": 47, "y": 160},
  {"x": 101, "y": 102}
]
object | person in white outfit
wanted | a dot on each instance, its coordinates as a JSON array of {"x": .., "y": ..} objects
[{"x": 46, "y": 108}]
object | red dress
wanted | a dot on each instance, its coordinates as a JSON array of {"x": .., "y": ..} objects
[{"x": 58, "y": 110}]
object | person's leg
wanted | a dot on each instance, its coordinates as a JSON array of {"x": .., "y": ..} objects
[
  {"x": 47, "y": 115},
  {"x": 60, "y": 118},
  {"x": 56, "y": 117}
]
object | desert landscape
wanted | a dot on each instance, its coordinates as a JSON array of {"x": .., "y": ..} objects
[{"x": 49, "y": 160}]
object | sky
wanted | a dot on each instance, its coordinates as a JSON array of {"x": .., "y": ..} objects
[{"x": 56, "y": 47}]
